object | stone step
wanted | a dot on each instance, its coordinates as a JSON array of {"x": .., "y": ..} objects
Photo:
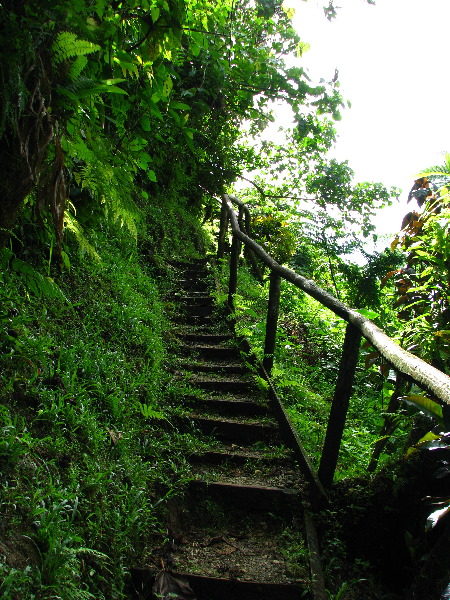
[
  {"x": 207, "y": 338},
  {"x": 230, "y": 406},
  {"x": 194, "y": 310},
  {"x": 193, "y": 300},
  {"x": 199, "y": 285},
  {"x": 195, "y": 320},
  {"x": 231, "y": 386},
  {"x": 213, "y": 353},
  {"x": 285, "y": 501},
  {"x": 247, "y": 470},
  {"x": 237, "y": 431},
  {"x": 234, "y": 458},
  {"x": 222, "y": 367},
  {"x": 215, "y": 588}
]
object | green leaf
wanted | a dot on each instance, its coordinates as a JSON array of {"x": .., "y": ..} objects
[
  {"x": 65, "y": 259},
  {"x": 113, "y": 89},
  {"x": 302, "y": 47},
  {"x": 425, "y": 405},
  {"x": 150, "y": 413},
  {"x": 200, "y": 42},
  {"x": 137, "y": 144},
  {"x": 151, "y": 175},
  {"x": 113, "y": 81},
  {"x": 143, "y": 159},
  {"x": 155, "y": 111},
  {"x": 145, "y": 123},
  {"x": 167, "y": 87},
  {"x": 195, "y": 49},
  {"x": 179, "y": 106},
  {"x": 369, "y": 314}
]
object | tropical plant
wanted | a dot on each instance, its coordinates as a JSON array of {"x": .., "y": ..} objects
[{"x": 422, "y": 284}]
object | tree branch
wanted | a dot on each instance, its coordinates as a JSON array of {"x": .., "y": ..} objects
[{"x": 265, "y": 195}]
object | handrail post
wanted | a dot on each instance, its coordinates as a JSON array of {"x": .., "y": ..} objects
[
  {"x": 241, "y": 219},
  {"x": 339, "y": 407},
  {"x": 272, "y": 320},
  {"x": 222, "y": 230},
  {"x": 234, "y": 262}
]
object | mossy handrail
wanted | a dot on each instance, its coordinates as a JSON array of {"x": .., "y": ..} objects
[{"x": 420, "y": 372}]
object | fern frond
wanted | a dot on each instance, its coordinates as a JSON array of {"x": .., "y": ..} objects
[
  {"x": 110, "y": 186},
  {"x": 438, "y": 170},
  {"x": 67, "y": 45},
  {"x": 85, "y": 247},
  {"x": 82, "y": 87},
  {"x": 77, "y": 67},
  {"x": 75, "y": 147},
  {"x": 100, "y": 7},
  {"x": 35, "y": 282}
]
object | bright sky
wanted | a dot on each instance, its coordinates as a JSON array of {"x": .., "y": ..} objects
[{"x": 393, "y": 62}]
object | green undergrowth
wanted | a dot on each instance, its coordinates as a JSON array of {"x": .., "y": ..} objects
[{"x": 89, "y": 447}]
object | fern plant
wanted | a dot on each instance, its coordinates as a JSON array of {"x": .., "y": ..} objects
[
  {"x": 67, "y": 45},
  {"x": 110, "y": 184},
  {"x": 33, "y": 281},
  {"x": 85, "y": 247}
]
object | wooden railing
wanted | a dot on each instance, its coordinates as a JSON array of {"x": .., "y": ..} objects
[{"x": 358, "y": 326}]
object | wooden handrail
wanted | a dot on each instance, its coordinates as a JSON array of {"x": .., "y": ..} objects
[
  {"x": 405, "y": 363},
  {"x": 418, "y": 370}
]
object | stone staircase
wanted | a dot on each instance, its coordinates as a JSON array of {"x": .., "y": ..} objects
[{"x": 239, "y": 532}]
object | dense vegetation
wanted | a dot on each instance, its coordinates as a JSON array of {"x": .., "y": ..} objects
[{"x": 121, "y": 123}]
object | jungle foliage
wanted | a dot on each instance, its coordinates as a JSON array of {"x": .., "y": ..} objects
[{"x": 120, "y": 124}]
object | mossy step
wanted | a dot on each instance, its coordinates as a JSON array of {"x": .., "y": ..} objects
[
  {"x": 194, "y": 310},
  {"x": 221, "y": 385},
  {"x": 188, "y": 262},
  {"x": 211, "y": 352},
  {"x": 237, "y": 431},
  {"x": 207, "y": 338},
  {"x": 199, "y": 300},
  {"x": 225, "y": 348},
  {"x": 209, "y": 367},
  {"x": 249, "y": 471},
  {"x": 181, "y": 294},
  {"x": 256, "y": 449},
  {"x": 193, "y": 284},
  {"x": 230, "y": 406},
  {"x": 222, "y": 539},
  {"x": 196, "y": 319},
  {"x": 285, "y": 501},
  {"x": 230, "y": 456}
]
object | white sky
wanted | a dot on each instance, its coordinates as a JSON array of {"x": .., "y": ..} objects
[{"x": 393, "y": 61}]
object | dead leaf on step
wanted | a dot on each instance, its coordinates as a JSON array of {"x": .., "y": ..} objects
[
  {"x": 114, "y": 435},
  {"x": 223, "y": 546},
  {"x": 224, "y": 549},
  {"x": 168, "y": 586}
]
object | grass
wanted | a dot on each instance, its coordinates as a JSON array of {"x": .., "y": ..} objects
[{"x": 88, "y": 452}]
